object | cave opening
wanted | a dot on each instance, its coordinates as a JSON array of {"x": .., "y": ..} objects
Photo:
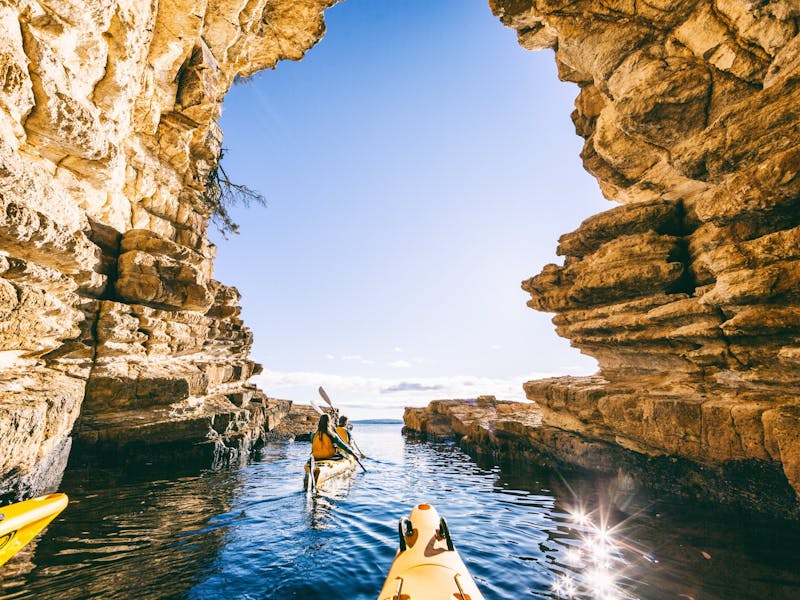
[{"x": 418, "y": 164}]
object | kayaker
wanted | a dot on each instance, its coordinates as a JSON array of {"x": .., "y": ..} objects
[
  {"x": 343, "y": 430},
  {"x": 326, "y": 440}
]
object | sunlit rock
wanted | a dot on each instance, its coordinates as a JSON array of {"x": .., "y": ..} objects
[
  {"x": 108, "y": 115},
  {"x": 578, "y": 425},
  {"x": 687, "y": 294},
  {"x": 299, "y": 424}
]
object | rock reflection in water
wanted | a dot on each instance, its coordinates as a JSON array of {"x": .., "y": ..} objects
[
  {"x": 124, "y": 535},
  {"x": 603, "y": 538}
]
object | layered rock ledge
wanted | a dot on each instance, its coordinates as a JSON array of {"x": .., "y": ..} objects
[
  {"x": 687, "y": 293},
  {"x": 513, "y": 432},
  {"x": 299, "y": 424},
  {"x": 112, "y": 323}
]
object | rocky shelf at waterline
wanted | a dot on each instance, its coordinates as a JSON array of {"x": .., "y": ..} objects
[
  {"x": 518, "y": 431},
  {"x": 215, "y": 431}
]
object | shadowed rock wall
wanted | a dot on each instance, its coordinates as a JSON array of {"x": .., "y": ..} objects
[
  {"x": 108, "y": 135},
  {"x": 688, "y": 293}
]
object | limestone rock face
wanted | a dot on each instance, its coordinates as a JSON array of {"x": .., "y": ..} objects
[
  {"x": 108, "y": 133},
  {"x": 687, "y": 293}
]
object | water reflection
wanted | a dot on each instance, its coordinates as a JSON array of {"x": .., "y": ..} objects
[
  {"x": 523, "y": 532},
  {"x": 321, "y": 504},
  {"x": 606, "y": 541},
  {"x": 122, "y": 532},
  {"x": 598, "y": 562}
]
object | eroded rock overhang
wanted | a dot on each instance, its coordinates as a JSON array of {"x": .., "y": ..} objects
[
  {"x": 688, "y": 294},
  {"x": 108, "y": 136}
]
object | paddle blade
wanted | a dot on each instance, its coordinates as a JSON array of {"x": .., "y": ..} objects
[
  {"x": 325, "y": 397},
  {"x": 317, "y": 408}
]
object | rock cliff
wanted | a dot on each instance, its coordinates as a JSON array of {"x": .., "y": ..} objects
[
  {"x": 300, "y": 424},
  {"x": 108, "y": 114},
  {"x": 687, "y": 294}
]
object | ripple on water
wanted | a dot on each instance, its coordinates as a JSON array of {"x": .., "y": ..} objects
[{"x": 252, "y": 533}]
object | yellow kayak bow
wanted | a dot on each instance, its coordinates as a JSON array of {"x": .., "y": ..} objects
[
  {"x": 427, "y": 565},
  {"x": 21, "y": 522}
]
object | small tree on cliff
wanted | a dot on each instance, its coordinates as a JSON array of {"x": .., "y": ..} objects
[{"x": 221, "y": 194}]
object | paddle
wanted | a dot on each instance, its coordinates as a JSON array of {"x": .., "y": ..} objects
[
  {"x": 325, "y": 397},
  {"x": 328, "y": 400}
]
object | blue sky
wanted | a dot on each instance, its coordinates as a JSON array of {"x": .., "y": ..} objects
[{"x": 418, "y": 165}]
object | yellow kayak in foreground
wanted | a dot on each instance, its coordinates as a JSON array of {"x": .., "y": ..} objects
[
  {"x": 326, "y": 469},
  {"x": 427, "y": 566},
  {"x": 21, "y": 522}
]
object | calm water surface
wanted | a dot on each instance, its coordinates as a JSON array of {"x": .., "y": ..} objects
[{"x": 253, "y": 533}]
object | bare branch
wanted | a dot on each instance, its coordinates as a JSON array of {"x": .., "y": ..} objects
[{"x": 221, "y": 194}]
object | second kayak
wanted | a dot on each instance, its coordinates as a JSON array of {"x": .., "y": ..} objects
[
  {"x": 21, "y": 522},
  {"x": 427, "y": 565}
]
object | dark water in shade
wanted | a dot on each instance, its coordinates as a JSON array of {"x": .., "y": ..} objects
[{"x": 252, "y": 533}]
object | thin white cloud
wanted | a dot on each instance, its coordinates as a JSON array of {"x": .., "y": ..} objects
[
  {"x": 496, "y": 347},
  {"x": 406, "y": 386},
  {"x": 398, "y": 349},
  {"x": 330, "y": 356},
  {"x": 358, "y": 358},
  {"x": 399, "y": 364}
]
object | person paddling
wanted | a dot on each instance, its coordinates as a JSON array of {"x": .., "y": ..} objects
[
  {"x": 343, "y": 429},
  {"x": 326, "y": 440}
]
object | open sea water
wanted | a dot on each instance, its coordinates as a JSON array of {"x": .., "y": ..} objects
[{"x": 253, "y": 533}]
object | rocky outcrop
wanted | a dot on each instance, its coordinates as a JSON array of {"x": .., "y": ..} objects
[
  {"x": 687, "y": 293},
  {"x": 461, "y": 418},
  {"x": 109, "y": 142},
  {"x": 299, "y": 424},
  {"x": 515, "y": 431}
]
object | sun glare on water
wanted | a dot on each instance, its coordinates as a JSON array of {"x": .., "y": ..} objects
[{"x": 597, "y": 564}]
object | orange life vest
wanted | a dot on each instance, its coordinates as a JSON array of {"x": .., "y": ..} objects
[
  {"x": 322, "y": 446},
  {"x": 344, "y": 434}
]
